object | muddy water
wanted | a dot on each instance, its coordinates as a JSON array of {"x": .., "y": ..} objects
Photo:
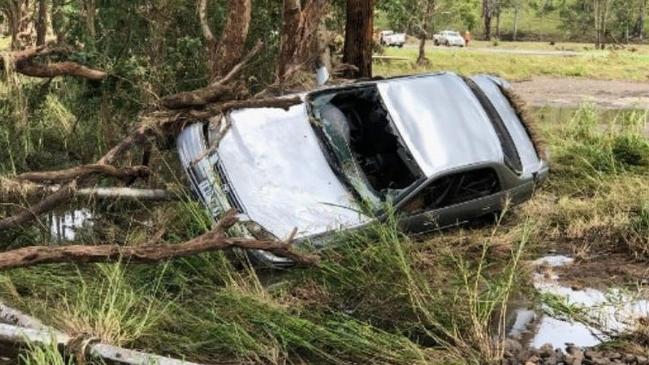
[
  {"x": 63, "y": 226},
  {"x": 606, "y": 312}
]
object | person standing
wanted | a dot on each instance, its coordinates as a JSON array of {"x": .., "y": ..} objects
[{"x": 467, "y": 38}]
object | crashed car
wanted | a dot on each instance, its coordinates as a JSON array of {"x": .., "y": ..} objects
[{"x": 439, "y": 149}]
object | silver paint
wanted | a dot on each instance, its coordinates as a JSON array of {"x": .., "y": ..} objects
[
  {"x": 277, "y": 169},
  {"x": 441, "y": 122},
  {"x": 526, "y": 150}
]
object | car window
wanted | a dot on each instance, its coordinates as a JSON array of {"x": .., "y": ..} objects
[
  {"x": 360, "y": 133},
  {"x": 454, "y": 189}
]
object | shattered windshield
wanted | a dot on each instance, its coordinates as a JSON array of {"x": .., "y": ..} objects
[{"x": 366, "y": 148}]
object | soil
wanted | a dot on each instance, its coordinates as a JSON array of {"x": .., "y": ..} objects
[
  {"x": 605, "y": 271},
  {"x": 572, "y": 92}
]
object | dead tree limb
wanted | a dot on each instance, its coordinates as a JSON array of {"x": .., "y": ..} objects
[
  {"x": 282, "y": 103},
  {"x": 51, "y": 70},
  {"x": 62, "y": 195},
  {"x": 16, "y": 336},
  {"x": 126, "y": 193},
  {"x": 148, "y": 253},
  {"x": 220, "y": 89},
  {"x": 84, "y": 171},
  {"x": 25, "y": 62}
]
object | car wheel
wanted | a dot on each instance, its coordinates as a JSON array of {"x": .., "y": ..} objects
[{"x": 400, "y": 46}]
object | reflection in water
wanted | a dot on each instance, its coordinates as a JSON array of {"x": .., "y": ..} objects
[
  {"x": 63, "y": 226},
  {"x": 614, "y": 312}
]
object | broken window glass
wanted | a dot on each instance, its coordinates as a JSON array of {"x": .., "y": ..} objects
[{"x": 359, "y": 132}]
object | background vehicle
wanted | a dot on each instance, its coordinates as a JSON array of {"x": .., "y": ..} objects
[
  {"x": 449, "y": 38},
  {"x": 391, "y": 39},
  {"x": 397, "y": 141}
]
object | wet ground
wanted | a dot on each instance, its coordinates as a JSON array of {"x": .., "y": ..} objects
[
  {"x": 572, "y": 92},
  {"x": 565, "y": 321}
]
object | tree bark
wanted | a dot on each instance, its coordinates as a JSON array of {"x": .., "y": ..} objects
[
  {"x": 516, "y": 15},
  {"x": 60, "y": 69},
  {"x": 487, "y": 14},
  {"x": 151, "y": 252},
  {"x": 41, "y": 23},
  {"x": 84, "y": 171},
  {"x": 358, "y": 37},
  {"x": 291, "y": 14},
  {"x": 230, "y": 48}
]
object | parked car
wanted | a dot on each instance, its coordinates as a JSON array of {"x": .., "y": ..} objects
[
  {"x": 389, "y": 38},
  {"x": 439, "y": 148},
  {"x": 449, "y": 38}
]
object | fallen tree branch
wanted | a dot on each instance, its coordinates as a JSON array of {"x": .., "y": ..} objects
[
  {"x": 214, "y": 240},
  {"x": 127, "y": 193},
  {"x": 24, "y": 63},
  {"x": 67, "y": 68},
  {"x": 62, "y": 195},
  {"x": 84, "y": 171},
  {"x": 17, "y": 337},
  {"x": 282, "y": 103},
  {"x": 220, "y": 89}
]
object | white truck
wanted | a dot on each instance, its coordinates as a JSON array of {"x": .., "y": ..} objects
[
  {"x": 449, "y": 38},
  {"x": 389, "y": 38}
]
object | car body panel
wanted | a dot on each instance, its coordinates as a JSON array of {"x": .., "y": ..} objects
[
  {"x": 273, "y": 167},
  {"x": 276, "y": 168},
  {"x": 441, "y": 122},
  {"x": 526, "y": 150}
]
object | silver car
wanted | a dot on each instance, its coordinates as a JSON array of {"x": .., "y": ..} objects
[{"x": 439, "y": 149}]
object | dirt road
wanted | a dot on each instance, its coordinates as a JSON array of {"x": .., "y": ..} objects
[
  {"x": 502, "y": 50},
  {"x": 567, "y": 92}
]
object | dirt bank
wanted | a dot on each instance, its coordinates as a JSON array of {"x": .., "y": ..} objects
[{"x": 567, "y": 92}]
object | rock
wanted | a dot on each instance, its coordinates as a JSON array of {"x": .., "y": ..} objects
[
  {"x": 546, "y": 350},
  {"x": 589, "y": 354},
  {"x": 513, "y": 347},
  {"x": 642, "y": 360},
  {"x": 614, "y": 355},
  {"x": 533, "y": 360},
  {"x": 628, "y": 358}
]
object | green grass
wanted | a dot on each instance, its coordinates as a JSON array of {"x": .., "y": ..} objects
[{"x": 606, "y": 65}]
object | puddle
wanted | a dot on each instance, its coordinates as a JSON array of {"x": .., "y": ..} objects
[
  {"x": 64, "y": 226},
  {"x": 614, "y": 311}
]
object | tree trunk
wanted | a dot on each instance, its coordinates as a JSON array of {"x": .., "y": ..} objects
[
  {"x": 291, "y": 15},
  {"x": 421, "y": 58},
  {"x": 358, "y": 37},
  {"x": 230, "y": 48},
  {"x": 90, "y": 9},
  {"x": 58, "y": 20},
  {"x": 498, "y": 19},
  {"x": 41, "y": 23},
  {"x": 515, "y": 35},
  {"x": 486, "y": 16}
]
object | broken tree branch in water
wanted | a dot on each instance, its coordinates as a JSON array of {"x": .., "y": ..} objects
[{"x": 214, "y": 240}]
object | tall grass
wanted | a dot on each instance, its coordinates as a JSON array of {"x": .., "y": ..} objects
[{"x": 599, "y": 188}]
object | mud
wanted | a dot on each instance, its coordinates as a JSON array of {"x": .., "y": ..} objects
[
  {"x": 516, "y": 354},
  {"x": 540, "y": 335},
  {"x": 572, "y": 92}
]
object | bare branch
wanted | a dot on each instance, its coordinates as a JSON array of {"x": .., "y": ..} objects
[
  {"x": 127, "y": 193},
  {"x": 205, "y": 27},
  {"x": 212, "y": 241},
  {"x": 84, "y": 171},
  {"x": 60, "y": 69},
  {"x": 54, "y": 200},
  {"x": 239, "y": 66}
]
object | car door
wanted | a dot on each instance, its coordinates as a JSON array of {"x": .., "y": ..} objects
[{"x": 452, "y": 199}]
